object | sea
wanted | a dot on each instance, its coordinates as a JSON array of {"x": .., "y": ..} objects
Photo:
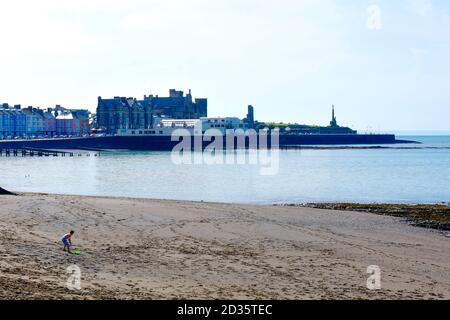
[{"x": 410, "y": 173}]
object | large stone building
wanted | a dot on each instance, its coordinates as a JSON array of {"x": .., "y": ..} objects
[
  {"x": 130, "y": 113},
  {"x": 120, "y": 113}
]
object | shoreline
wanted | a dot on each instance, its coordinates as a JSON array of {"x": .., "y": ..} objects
[
  {"x": 424, "y": 215},
  {"x": 169, "y": 249}
]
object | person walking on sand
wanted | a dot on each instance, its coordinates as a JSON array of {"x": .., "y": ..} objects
[{"x": 67, "y": 241}]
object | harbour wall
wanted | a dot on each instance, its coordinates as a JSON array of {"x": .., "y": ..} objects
[{"x": 164, "y": 143}]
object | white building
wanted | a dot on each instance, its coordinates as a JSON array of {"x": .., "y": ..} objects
[
  {"x": 223, "y": 123},
  {"x": 207, "y": 123},
  {"x": 164, "y": 126}
]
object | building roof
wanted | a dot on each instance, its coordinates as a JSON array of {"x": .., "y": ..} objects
[
  {"x": 167, "y": 102},
  {"x": 65, "y": 116}
]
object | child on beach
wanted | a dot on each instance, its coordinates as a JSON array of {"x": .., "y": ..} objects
[{"x": 67, "y": 241}]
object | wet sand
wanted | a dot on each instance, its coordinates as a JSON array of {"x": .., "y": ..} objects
[{"x": 154, "y": 249}]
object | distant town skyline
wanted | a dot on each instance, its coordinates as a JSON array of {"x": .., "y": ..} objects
[{"x": 383, "y": 64}]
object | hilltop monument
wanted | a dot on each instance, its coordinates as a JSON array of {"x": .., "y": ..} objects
[{"x": 333, "y": 122}]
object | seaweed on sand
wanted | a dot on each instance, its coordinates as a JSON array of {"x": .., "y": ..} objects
[{"x": 434, "y": 216}]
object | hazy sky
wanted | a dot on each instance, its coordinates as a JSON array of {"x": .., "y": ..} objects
[{"x": 384, "y": 64}]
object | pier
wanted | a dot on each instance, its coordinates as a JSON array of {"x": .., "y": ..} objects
[{"x": 31, "y": 152}]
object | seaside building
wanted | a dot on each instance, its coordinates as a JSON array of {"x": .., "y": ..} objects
[
  {"x": 13, "y": 122},
  {"x": 206, "y": 123},
  {"x": 176, "y": 106},
  {"x": 130, "y": 113},
  {"x": 49, "y": 123},
  {"x": 34, "y": 122},
  {"x": 120, "y": 113},
  {"x": 223, "y": 123},
  {"x": 82, "y": 121},
  {"x": 71, "y": 122},
  {"x": 164, "y": 126}
]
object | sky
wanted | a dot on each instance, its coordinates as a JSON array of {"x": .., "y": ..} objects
[{"x": 383, "y": 64}]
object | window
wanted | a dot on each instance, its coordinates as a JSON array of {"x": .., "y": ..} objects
[
  {"x": 133, "y": 132},
  {"x": 160, "y": 132},
  {"x": 140, "y": 132}
]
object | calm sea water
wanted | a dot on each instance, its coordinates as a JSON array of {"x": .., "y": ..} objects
[{"x": 380, "y": 175}]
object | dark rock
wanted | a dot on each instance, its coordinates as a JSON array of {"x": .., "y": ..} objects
[{"x": 5, "y": 192}]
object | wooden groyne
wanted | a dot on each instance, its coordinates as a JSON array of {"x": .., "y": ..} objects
[{"x": 30, "y": 152}]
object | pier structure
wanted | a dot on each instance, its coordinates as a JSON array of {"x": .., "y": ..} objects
[{"x": 29, "y": 152}]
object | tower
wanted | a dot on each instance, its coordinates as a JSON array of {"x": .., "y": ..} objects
[
  {"x": 251, "y": 116},
  {"x": 333, "y": 122}
]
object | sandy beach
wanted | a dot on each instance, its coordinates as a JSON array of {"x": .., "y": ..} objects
[{"x": 154, "y": 249}]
